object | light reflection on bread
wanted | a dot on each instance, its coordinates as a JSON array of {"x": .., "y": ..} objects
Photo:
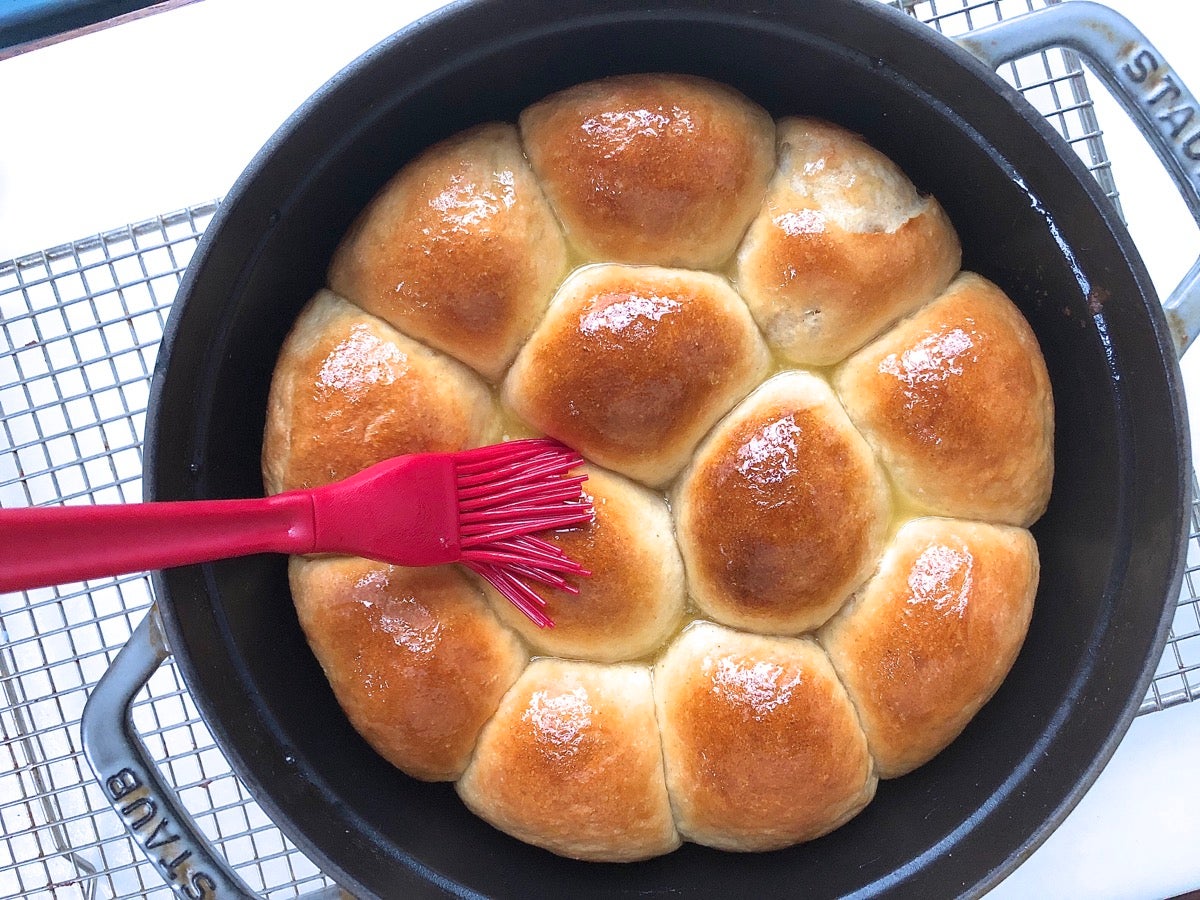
[{"x": 814, "y": 448}]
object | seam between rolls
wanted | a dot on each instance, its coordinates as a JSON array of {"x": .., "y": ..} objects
[
  {"x": 858, "y": 717},
  {"x": 521, "y": 642},
  {"x": 662, "y": 754}
]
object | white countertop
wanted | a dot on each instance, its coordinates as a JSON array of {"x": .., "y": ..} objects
[{"x": 164, "y": 112}]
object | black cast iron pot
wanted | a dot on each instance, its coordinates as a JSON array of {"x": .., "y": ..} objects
[{"x": 1030, "y": 218}]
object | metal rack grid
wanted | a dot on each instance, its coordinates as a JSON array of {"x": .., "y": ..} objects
[{"x": 81, "y": 325}]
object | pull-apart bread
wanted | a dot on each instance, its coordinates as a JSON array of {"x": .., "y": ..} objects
[
  {"x": 813, "y": 447},
  {"x": 842, "y": 247}
]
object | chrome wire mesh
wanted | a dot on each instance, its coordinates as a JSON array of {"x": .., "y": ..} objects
[
  {"x": 80, "y": 327},
  {"x": 1053, "y": 82}
]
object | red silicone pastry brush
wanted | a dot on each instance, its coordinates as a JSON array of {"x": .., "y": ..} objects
[{"x": 478, "y": 507}]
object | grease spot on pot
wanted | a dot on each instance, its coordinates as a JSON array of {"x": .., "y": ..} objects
[{"x": 1096, "y": 299}]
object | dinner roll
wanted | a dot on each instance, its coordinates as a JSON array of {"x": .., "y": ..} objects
[
  {"x": 414, "y": 656},
  {"x": 459, "y": 249},
  {"x": 571, "y": 762},
  {"x": 761, "y": 744},
  {"x": 811, "y": 446},
  {"x": 843, "y": 246},
  {"x": 933, "y": 634},
  {"x": 634, "y": 598},
  {"x": 633, "y": 364},
  {"x": 350, "y": 391},
  {"x": 783, "y": 512},
  {"x": 956, "y": 400},
  {"x": 660, "y": 169}
]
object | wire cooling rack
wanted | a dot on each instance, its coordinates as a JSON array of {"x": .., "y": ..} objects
[{"x": 80, "y": 327}]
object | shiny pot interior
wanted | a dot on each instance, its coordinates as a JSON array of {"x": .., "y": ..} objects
[{"x": 1030, "y": 218}]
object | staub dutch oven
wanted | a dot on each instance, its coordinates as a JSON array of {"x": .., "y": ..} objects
[{"x": 1031, "y": 218}]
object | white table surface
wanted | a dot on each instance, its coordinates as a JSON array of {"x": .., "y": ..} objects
[{"x": 164, "y": 112}]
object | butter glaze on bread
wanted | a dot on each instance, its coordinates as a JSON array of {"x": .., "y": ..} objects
[
  {"x": 634, "y": 598},
  {"x": 777, "y": 382},
  {"x": 414, "y": 656},
  {"x": 633, "y": 364},
  {"x": 459, "y": 249},
  {"x": 571, "y": 762},
  {"x": 762, "y": 746},
  {"x": 956, "y": 401},
  {"x": 783, "y": 512},
  {"x": 659, "y": 169},
  {"x": 350, "y": 391},
  {"x": 933, "y": 634},
  {"x": 843, "y": 246}
]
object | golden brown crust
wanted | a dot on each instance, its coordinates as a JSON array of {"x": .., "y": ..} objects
[
  {"x": 349, "y": 391},
  {"x": 571, "y": 762},
  {"x": 632, "y": 365},
  {"x": 783, "y": 511},
  {"x": 744, "y": 740},
  {"x": 933, "y": 634},
  {"x": 956, "y": 400},
  {"x": 843, "y": 246},
  {"x": 459, "y": 249},
  {"x": 762, "y": 746},
  {"x": 634, "y": 598},
  {"x": 414, "y": 656},
  {"x": 659, "y": 169}
]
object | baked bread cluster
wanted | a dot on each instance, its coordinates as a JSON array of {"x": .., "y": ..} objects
[{"x": 814, "y": 449}]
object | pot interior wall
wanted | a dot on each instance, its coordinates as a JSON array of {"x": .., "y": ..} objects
[{"x": 1107, "y": 543}]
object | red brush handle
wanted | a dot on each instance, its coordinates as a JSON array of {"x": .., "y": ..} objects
[{"x": 55, "y": 545}]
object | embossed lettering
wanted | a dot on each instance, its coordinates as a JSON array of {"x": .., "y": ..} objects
[
  {"x": 153, "y": 842},
  {"x": 139, "y": 812},
  {"x": 172, "y": 867},
  {"x": 151, "y": 812},
  {"x": 1142, "y": 67},
  {"x": 123, "y": 783},
  {"x": 1192, "y": 148},
  {"x": 1178, "y": 118},
  {"x": 200, "y": 887},
  {"x": 1168, "y": 88}
]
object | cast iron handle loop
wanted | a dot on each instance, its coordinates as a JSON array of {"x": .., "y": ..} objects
[
  {"x": 130, "y": 779},
  {"x": 1143, "y": 82},
  {"x": 131, "y": 782}
]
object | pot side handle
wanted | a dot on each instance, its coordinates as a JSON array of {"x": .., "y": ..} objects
[
  {"x": 1146, "y": 86},
  {"x": 145, "y": 803}
]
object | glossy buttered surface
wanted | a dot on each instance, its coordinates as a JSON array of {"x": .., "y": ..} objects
[
  {"x": 812, "y": 452},
  {"x": 783, "y": 511},
  {"x": 664, "y": 171},
  {"x": 632, "y": 365}
]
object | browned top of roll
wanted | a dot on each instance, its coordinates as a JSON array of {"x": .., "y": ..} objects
[
  {"x": 957, "y": 401},
  {"x": 783, "y": 512},
  {"x": 459, "y": 249},
  {"x": 634, "y": 597},
  {"x": 661, "y": 169},
  {"x": 933, "y": 634},
  {"x": 843, "y": 246},
  {"x": 761, "y": 744},
  {"x": 571, "y": 762},
  {"x": 350, "y": 391},
  {"x": 632, "y": 365},
  {"x": 414, "y": 656}
]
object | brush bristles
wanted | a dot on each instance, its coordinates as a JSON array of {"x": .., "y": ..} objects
[{"x": 506, "y": 493}]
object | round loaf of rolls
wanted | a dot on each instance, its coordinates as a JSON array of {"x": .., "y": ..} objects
[{"x": 814, "y": 448}]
